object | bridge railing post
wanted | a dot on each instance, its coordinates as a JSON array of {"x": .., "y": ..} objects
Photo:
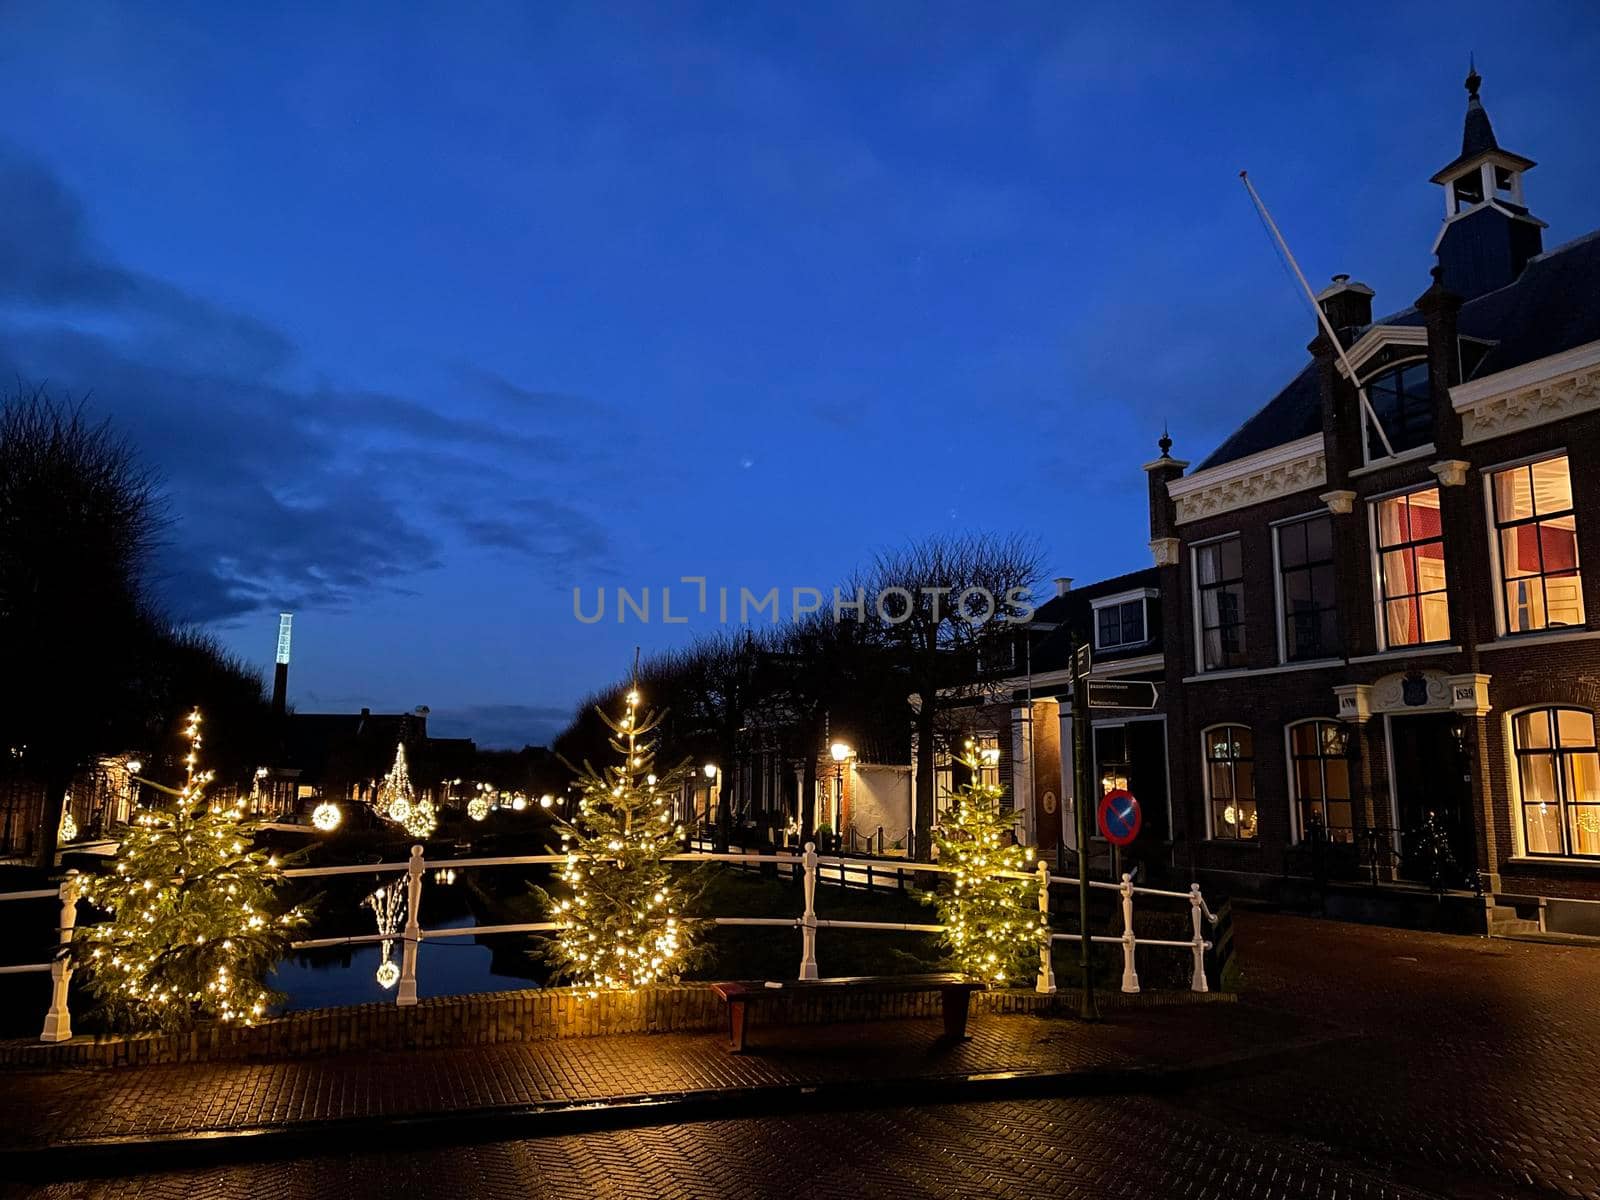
[
  {"x": 808, "y": 922},
  {"x": 407, "y": 992},
  {"x": 1197, "y": 982},
  {"x": 1047, "y": 971},
  {"x": 1130, "y": 976},
  {"x": 58, "y": 1020}
]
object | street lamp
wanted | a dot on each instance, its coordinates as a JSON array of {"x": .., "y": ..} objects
[{"x": 839, "y": 751}]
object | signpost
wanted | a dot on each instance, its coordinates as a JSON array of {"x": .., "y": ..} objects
[
  {"x": 1081, "y": 662},
  {"x": 1122, "y": 693}
]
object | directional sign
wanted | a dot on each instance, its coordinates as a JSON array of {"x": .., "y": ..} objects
[
  {"x": 1082, "y": 659},
  {"x": 1121, "y": 693},
  {"x": 1119, "y": 817}
]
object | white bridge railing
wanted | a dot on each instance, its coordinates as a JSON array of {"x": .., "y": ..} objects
[{"x": 809, "y": 866}]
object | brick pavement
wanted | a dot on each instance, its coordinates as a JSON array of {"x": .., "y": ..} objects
[
  {"x": 62, "y": 1106},
  {"x": 1087, "y": 1149},
  {"x": 1477, "y": 1068}
]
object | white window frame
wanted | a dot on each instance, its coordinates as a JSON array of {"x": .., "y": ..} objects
[
  {"x": 1205, "y": 768},
  {"x": 1519, "y": 830},
  {"x": 1194, "y": 600},
  {"x": 1502, "y": 627},
  {"x": 1277, "y": 592},
  {"x": 1143, "y": 595},
  {"x": 1297, "y": 834},
  {"x": 1375, "y": 558}
]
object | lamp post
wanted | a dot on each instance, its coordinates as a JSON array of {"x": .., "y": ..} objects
[
  {"x": 713, "y": 789},
  {"x": 839, "y": 752}
]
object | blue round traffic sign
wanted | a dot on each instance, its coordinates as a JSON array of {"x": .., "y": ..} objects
[{"x": 1119, "y": 817}]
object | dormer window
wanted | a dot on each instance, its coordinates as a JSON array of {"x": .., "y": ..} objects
[
  {"x": 1121, "y": 621},
  {"x": 1402, "y": 400}
]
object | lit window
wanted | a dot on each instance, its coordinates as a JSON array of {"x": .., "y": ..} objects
[
  {"x": 1111, "y": 757},
  {"x": 1319, "y": 774},
  {"x": 1310, "y": 611},
  {"x": 1536, "y": 536},
  {"x": 1402, "y": 400},
  {"x": 1558, "y": 774},
  {"x": 1411, "y": 569},
  {"x": 1219, "y": 591},
  {"x": 1231, "y": 781},
  {"x": 1119, "y": 625}
]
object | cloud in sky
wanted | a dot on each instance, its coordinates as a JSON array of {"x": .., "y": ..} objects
[{"x": 290, "y": 495}]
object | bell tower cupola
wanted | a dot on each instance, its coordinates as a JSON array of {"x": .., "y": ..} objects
[{"x": 1489, "y": 234}]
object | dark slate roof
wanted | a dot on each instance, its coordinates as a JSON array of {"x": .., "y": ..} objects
[
  {"x": 1552, "y": 306},
  {"x": 1052, "y": 650},
  {"x": 1295, "y": 412}
]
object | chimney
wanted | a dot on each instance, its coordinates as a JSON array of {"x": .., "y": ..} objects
[
  {"x": 1063, "y": 584},
  {"x": 1348, "y": 307},
  {"x": 280, "y": 669}
]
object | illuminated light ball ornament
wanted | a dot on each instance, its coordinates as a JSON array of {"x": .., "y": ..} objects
[
  {"x": 477, "y": 808},
  {"x": 388, "y": 905},
  {"x": 546, "y": 800},
  {"x": 326, "y": 816},
  {"x": 421, "y": 820},
  {"x": 621, "y": 909},
  {"x": 993, "y": 929},
  {"x": 518, "y": 802}
]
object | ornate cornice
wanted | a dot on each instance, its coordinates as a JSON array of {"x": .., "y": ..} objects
[
  {"x": 1281, "y": 471},
  {"x": 1551, "y": 389}
]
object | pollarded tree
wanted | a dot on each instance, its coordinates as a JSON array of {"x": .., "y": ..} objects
[
  {"x": 989, "y": 903},
  {"x": 623, "y": 912},
  {"x": 195, "y": 920}
]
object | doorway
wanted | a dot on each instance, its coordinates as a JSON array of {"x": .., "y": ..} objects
[{"x": 1428, "y": 776}]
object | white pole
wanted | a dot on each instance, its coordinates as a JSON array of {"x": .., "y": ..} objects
[
  {"x": 1197, "y": 983},
  {"x": 407, "y": 992},
  {"x": 1322, "y": 317},
  {"x": 1047, "y": 970},
  {"x": 808, "y": 923},
  {"x": 1130, "y": 977},
  {"x": 58, "y": 1021}
]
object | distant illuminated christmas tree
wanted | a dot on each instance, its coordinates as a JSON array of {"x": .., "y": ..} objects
[
  {"x": 195, "y": 924},
  {"x": 398, "y": 801},
  {"x": 624, "y": 908},
  {"x": 991, "y": 917}
]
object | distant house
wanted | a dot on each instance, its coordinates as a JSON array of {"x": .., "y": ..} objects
[
  {"x": 1381, "y": 615},
  {"x": 345, "y": 756}
]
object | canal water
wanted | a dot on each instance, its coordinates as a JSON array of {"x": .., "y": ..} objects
[{"x": 448, "y": 967}]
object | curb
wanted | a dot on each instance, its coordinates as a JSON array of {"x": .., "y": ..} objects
[{"x": 144, "y": 1153}]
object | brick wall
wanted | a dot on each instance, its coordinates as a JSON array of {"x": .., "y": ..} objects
[{"x": 519, "y": 1017}]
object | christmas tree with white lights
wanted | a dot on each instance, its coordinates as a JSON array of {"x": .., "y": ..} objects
[
  {"x": 398, "y": 801},
  {"x": 989, "y": 904},
  {"x": 623, "y": 909},
  {"x": 195, "y": 922}
]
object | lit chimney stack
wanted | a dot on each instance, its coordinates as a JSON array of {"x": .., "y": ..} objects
[{"x": 280, "y": 674}]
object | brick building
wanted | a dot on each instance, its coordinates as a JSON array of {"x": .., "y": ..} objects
[
  {"x": 1025, "y": 718},
  {"x": 1378, "y": 611}
]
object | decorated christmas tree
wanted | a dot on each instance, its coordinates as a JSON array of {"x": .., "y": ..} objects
[
  {"x": 622, "y": 908},
  {"x": 991, "y": 917},
  {"x": 195, "y": 922},
  {"x": 398, "y": 801}
]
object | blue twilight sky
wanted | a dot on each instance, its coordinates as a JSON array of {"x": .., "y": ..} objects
[{"x": 430, "y": 313}]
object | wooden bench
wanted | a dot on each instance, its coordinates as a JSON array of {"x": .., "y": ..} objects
[{"x": 955, "y": 993}]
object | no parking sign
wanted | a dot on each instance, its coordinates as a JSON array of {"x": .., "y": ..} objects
[{"x": 1119, "y": 817}]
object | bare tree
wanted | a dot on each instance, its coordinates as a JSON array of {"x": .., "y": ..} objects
[
  {"x": 79, "y": 519},
  {"x": 935, "y": 606}
]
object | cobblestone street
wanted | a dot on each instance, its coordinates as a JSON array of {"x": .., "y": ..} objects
[{"x": 1407, "y": 1065}]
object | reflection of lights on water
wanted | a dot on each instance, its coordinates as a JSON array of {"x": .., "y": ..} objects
[
  {"x": 388, "y": 973},
  {"x": 445, "y": 875}
]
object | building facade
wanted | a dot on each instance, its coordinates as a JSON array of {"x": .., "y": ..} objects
[{"x": 1382, "y": 593}]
